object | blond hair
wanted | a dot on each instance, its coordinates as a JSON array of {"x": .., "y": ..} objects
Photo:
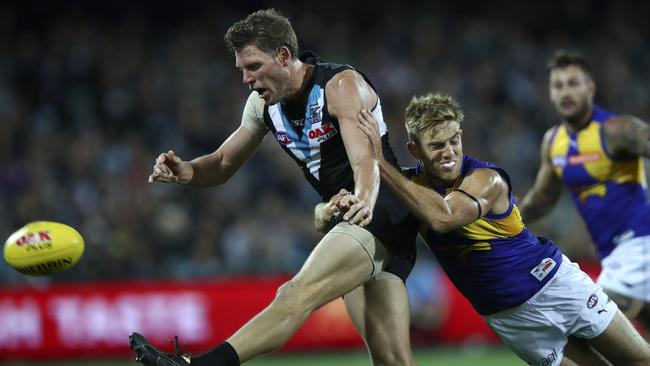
[{"x": 425, "y": 112}]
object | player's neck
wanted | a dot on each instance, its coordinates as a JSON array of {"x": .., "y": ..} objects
[
  {"x": 578, "y": 123},
  {"x": 301, "y": 75}
]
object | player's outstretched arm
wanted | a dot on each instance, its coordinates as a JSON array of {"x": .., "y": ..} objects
[
  {"x": 547, "y": 189},
  {"x": 216, "y": 168},
  {"x": 207, "y": 170},
  {"x": 627, "y": 137},
  {"x": 483, "y": 190},
  {"x": 347, "y": 93}
]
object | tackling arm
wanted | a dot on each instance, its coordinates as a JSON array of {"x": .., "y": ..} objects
[{"x": 484, "y": 190}]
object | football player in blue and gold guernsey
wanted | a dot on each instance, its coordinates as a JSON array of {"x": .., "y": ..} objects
[
  {"x": 598, "y": 156},
  {"x": 531, "y": 295}
]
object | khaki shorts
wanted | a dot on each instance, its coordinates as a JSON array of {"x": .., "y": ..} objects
[{"x": 379, "y": 255}]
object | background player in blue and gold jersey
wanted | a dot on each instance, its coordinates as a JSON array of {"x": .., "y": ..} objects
[
  {"x": 532, "y": 296},
  {"x": 598, "y": 157}
]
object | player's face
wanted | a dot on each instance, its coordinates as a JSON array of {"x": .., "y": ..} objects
[
  {"x": 441, "y": 152},
  {"x": 263, "y": 73},
  {"x": 572, "y": 92}
]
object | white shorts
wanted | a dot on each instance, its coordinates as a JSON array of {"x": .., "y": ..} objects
[
  {"x": 570, "y": 304},
  {"x": 626, "y": 270}
]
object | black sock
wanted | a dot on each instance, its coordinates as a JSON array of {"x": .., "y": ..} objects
[{"x": 221, "y": 355}]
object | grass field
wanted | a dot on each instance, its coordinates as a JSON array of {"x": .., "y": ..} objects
[{"x": 468, "y": 356}]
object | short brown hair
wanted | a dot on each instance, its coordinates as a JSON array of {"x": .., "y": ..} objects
[
  {"x": 427, "y": 111},
  {"x": 266, "y": 29},
  {"x": 563, "y": 58}
]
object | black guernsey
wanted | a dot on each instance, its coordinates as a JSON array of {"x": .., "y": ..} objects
[{"x": 306, "y": 131}]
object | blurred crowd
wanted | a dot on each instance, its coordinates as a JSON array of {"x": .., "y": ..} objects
[{"x": 90, "y": 94}]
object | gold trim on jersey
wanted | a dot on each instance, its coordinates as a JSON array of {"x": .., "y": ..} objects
[
  {"x": 593, "y": 158},
  {"x": 481, "y": 231},
  {"x": 486, "y": 229}
]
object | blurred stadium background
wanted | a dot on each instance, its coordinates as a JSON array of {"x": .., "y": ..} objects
[{"x": 90, "y": 93}]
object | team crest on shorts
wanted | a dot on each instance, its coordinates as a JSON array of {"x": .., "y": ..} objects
[{"x": 593, "y": 301}]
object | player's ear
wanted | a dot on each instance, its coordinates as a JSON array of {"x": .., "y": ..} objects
[
  {"x": 591, "y": 86},
  {"x": 284, "y": 55},
  {"x": 414, "y": 150}
]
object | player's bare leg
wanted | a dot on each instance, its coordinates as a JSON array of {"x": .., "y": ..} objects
[
  {"x": 579, "y": 352},
  {"x": 633, "y": 309},
  {"x": 337, "y": 265},
  {"x": 621, "y": 344},
  {"x": 380, "y": 312}
]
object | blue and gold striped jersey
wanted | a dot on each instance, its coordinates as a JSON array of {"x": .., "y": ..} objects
[
  {"x": 495, "y": 262},
  {"x": 609, "y": 193}
]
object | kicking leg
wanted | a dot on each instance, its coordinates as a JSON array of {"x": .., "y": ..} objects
[
  {"x": 347, "y": 257},
  {"x": 338, "y": 264}
]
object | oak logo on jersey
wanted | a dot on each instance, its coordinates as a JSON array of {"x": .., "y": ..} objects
[
  {"x": 560, "y": 161},
  {"x": 581, "y": 159},
  {"x": 322, "y": 132},
  {"x": 283, "y": 138}
]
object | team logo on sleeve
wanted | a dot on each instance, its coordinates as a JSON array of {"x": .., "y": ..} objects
[
  {"x": 543, "y": 268},
  {"x": 283, "y": 138}
]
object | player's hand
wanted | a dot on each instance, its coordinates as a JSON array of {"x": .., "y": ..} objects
[
  {"x": 356, "y": 210},
  {"x": 332, "y": 206},
  {"x": 369, "y": 126},
  {"x": 169, "y": 168},
  {"x": 325, "y": 211}
]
